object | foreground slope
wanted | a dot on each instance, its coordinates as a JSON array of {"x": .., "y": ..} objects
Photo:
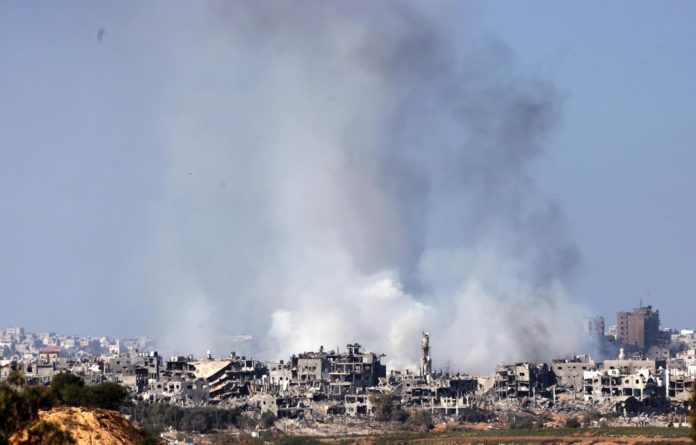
[{"x": 92, "y": 426}]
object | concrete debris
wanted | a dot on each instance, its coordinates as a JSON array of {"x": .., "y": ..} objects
[{"x": 311, "y": 388}]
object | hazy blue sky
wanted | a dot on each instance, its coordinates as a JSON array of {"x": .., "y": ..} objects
[
  {"x": 80, "y": 166},
  {"x": 623, "y": 164}
]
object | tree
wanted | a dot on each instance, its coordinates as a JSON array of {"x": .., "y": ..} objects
[
  {"x": 421, "y": 420},
  {"x": 382, "y": 405},
  {"x": 268, "y": 419},
  {"x": 572, "y": 422},
  {"x": 19, "y": 414},
  {"x": 107, "y": 395},
  {"x": 197, "y": 421},
  {"x": 69, "y": 389}
]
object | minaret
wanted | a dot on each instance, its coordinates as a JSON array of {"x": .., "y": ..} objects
[
  {"x": 426, "y": 362},
  {"x": 666, "y": 379}
]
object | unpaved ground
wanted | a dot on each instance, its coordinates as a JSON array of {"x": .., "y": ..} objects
[
  {"x": 90, "y": 426},
  {"x": 580, "y": 439}
]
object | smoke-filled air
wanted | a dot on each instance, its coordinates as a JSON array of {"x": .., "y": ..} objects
[{"x": 343, "y": 171}]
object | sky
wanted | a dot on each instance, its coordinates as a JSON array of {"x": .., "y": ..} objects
[
  {"x": 623, "y": 159},
  {"x": 87, "y": 173}
]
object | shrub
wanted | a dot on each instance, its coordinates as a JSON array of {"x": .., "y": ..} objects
[
  {"x": 246, "y": 422},
  {"x": 521, "y": 423},
  {"x": 299, "y": 440},
  {"x": 158, "y": 416},
  {"x": 19, "y": 411},
  {"x": 399, "y": 415},
  {"x": 107, "y": 395},
  {"x": 268, "y": 419},
  {"x": 572, "y": 422},
  {"x": 70, "y": 390},
  {"x": 149, "y": 436},
  {"x": 420, "y": 420},
  {"x": 474, "y": 415},
  {"x": 382, "y": 405}
]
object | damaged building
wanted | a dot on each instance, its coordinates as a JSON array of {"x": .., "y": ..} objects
[
  {"x": 522, "y": 379},
  {"x": 347, "y": 381}
]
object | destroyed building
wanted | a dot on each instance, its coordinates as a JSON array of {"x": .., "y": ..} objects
[
  {"x": 128, "y": 371},
  {"x": 571, "y": 373},
  {"x": 354, "y": 369},
  {"x": 522, "y": 379},
  {"x": 612, "y": 384},
  {"x": 346, "y": 382}
]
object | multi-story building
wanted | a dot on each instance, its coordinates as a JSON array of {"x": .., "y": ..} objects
[
  {"x": 522, "y": 379},
  {"x": 594, "y": 328},
  {"x": 571, "y": 373},
  {"x": 354, "y": 369},
  {"x": 639, "y": 328}
]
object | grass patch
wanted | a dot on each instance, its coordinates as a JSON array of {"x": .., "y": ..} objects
[{"x": 534, "y": 434}]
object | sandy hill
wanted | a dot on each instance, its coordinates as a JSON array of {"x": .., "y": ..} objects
[{"x": 92, "y": 426}]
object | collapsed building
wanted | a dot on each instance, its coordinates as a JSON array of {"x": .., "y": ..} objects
[
  {"x": 331, "y": 381},
  {"x": 185, "y": 380},
  {"x": 438, "y": 393},
  {"x": 347, "y": 382},
  {"x": 522, "y": 379}
]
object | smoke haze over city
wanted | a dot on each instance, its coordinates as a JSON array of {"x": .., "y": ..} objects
[
  {"x": 352, "y": 176},
  {"x": 309, "y": 174}
]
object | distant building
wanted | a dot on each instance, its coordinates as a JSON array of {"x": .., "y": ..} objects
[
  {"x": 594, "y": 328},
  {"x": 16, "y": 331},
  {"x": 522, "y": 379},
  {"x": 48, "y": 354},
  {"x": 639, "y": 328},
  {"x": 354, "y": 369},
  {"x": 570, "y": 373}
]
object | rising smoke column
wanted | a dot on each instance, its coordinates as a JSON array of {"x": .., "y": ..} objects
[{"x": 356, "y": 171}]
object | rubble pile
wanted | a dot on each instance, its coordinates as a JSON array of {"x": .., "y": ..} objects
[{"x": 327, "y": 391}]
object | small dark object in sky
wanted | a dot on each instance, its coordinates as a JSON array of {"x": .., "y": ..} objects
[{"x": 100, "y": 34}]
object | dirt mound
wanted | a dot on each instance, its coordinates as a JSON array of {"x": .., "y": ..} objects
[{"x": 92, "y": 426}]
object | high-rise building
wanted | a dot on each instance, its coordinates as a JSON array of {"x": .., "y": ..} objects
[
  {"x": 639, "y": 328},
  {"x": 594, "y": 328}
]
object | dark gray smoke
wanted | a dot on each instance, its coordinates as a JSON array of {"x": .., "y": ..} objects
[{"x": 343, "y": 171}]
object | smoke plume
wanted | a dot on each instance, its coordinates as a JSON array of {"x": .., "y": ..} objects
[{"x": 352, "y": 171}]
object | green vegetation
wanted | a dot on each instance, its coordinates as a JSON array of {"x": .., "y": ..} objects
[
  {"x": 573, "y": 422},
  {"x": 70, "y": 390},
  {"x": 150, "y": 436},
  {"x": 107, "y": 395},
  {"x": 535, "y": 435},
  {"x": 298, "y": 440},
  {"x": 521, "y": 423},
  {"x": 20, "y": 404},
  {"x": 268, "y": 419},
  {"x": 383, "y": 406},
  {"x": 475, "y": 415},
  {"x": 156, "y": 417},
  {"x": 420, "y": 420},
  {"x": 19, "y": 411}
]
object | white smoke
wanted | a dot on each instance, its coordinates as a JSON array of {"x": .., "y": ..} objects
[{"x": 354, "y": 171}]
